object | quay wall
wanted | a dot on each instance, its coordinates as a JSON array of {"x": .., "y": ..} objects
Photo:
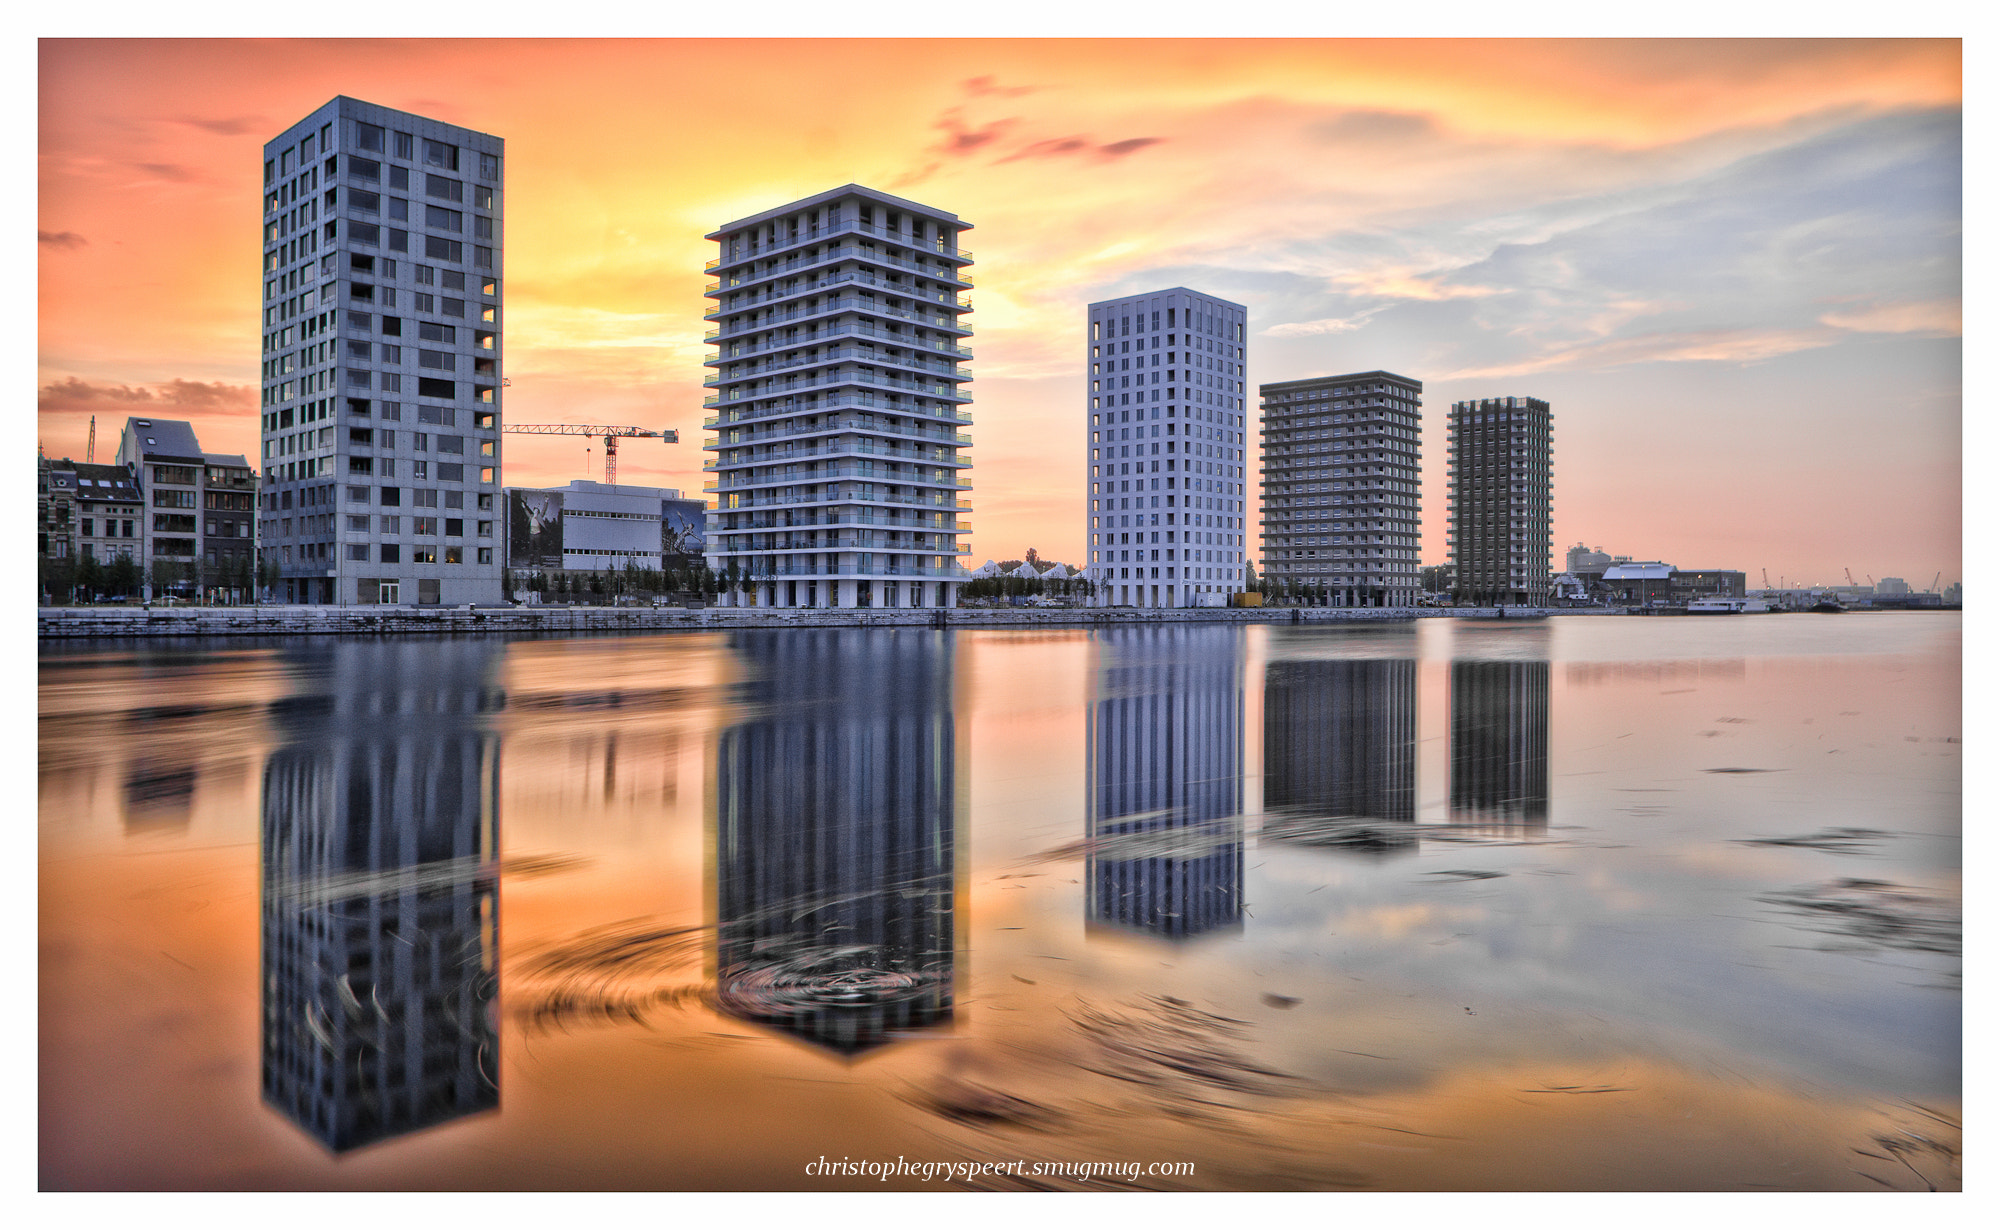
[{"x": 65, "y": 623}]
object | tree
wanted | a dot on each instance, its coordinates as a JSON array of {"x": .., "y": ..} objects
[
  {"x": 123, "y": 576},
  {"x": 90, "y": 576}
]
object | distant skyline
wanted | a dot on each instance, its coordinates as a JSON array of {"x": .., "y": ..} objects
[{"x": 1733, "y": 268}]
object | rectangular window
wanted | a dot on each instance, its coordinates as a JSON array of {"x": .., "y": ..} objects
[
  {"x": 423, "y": 555},
  {"x": 482, "y": 227},
  {"x": 399, "y": 209},
  {"x": 360, "y": 465},
  {"x": 489, "y": 166},
  {"x": 440, "y": 154},
  {"x": 454, "y": 555},
  {"x": 442, "y": 360},
  {"x": 392, "y": 497},
  {"x": 424, "y": 527},
  {"x": 358, "y": 550},
  {"x": 428, "y": 386},
  {"x": 406, "y": 146},
  {"x": 357, "y": 495},
  {"x": 398, "y": 241},
  {"x": 392, "y": 382},
  {"x": 399, "y": 177},
  {"x": 482, "y": 257},
  {"x": 444, "y": 189},
  {"x": 364, "y": 168},
  {"x": 360, "y": 320},
  {"x": 443, "y": 249},
  {"x": 368, "y": 137},
  {"x": 451, "y": 444},
  {"x": 454, "y": 527},
  {"x": 451, "y": 472},
  {"x": 392, "y": 326},
  {"x": 425, "y": 303},
  {"x": 435, "y": 414},
  {"x": 358, "y": 350},
  {"x": 453, "y": 307},
  {"x": 392, "y": 553},
  {"x": 440, "y": 218},
  {"x": 482, "y": 197},
  {"x": 485, "y": 554},
  {"x": 436, "y": 333},
  {"x": 364, "y": 202}
]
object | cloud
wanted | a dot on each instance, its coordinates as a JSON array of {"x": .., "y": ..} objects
[
  {"x": 168, "y": 171},
  {"x": 60, "y": 239},
  {"x": 1741, "y": 346},
  {"x": 73, "y": 395},
  {"x": 1058, "y": 147},
  {"x": 1331, "y": 324},
  {"x": 1937, "y": 318},
  {"x": 1364, "y": 127},
  {"x": 989, "y": 86},
  {"x": 232, "y": 126}
]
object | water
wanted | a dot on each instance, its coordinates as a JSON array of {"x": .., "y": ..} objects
[{"x": 1591, "y": 904}]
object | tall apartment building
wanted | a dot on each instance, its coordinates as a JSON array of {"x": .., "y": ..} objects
[
  {"x": 1343, "y": 507},
  {"x": 381, "y": 342},
  {"x": 1167, "y": 446},
  {"x": 838, "y": 451},
  {"x": 1502, "y": 493},
  {"x": 198, "y": 529}
]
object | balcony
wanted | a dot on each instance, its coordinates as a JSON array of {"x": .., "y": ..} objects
[
  {"x": 838, "y": 329},
  {"x": 949, "y": 392},
  {"x": 854, "y": 304},
  {"x": 903, "y": 290},
  {"x": 841, "y": 252},
  {"x": 839, "y": 354},
  {"x": 844, "y": 227}
]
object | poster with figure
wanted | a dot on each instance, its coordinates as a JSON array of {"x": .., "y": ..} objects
[
  {"x": 683, "y": 533},
  {"x": 534, "y": 529}
]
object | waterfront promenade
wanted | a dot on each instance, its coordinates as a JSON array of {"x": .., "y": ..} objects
[{"x": 64, "y": 623}]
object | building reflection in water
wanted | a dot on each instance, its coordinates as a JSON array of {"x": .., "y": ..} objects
[
  {"x": 380, "y": 892},
  {"x": 836, "y": 808},
  {"x": 1164, "y": 780},
  {"x": 1340, "y": 754},
  {"x": 1500, "y": 743}
]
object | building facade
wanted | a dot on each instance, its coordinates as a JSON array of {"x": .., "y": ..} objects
[
  {"x": 382, "y": 368},
  {"x": 198, "y": 530},
  {"x": 1165, "y": 460},
  {"x": 593, "y": 527},
  {"x": 1502, "y": 494},
  {"x": 1343, "y": 501},
  {"x": 839, "y": 451}
]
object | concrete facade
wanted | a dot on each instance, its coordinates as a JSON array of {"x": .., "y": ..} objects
[
  {"x": 1167, "y": 445},
  {"x": 839, "y": 446},
  {"x": 1501, "y": 479},
  {"x": 382, "y": 323},
  {"x": 1343, "y": 495}
]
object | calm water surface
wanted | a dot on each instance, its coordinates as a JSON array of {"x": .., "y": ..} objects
[{"x": 1593, "y": 903}]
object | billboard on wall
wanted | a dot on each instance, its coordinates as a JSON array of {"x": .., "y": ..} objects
[
  {"x": 683, "y": 533},
  {"x": 534, "y": 529}
]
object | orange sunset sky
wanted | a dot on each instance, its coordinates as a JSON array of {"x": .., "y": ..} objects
[{"x": 1732, "y": 267}]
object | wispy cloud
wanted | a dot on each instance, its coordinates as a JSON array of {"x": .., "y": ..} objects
[{"x": 64, "y": 240}]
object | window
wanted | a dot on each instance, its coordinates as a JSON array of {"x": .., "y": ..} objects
[
  {"x": 441, "y": 154},
  {"x": 440, "y": 218},
  {"x": 482, "y": 257},
  {"x": 392, "y": 497},
  {"x": 358, "y": 350},
  {"x": 482, "y": 228},
  {"x": 485, "y": 553},
  {"x": 357, "y": 495},
  {"x": 358, "y": 550},
  {"x": 453, "y": 307},
  {"x": 451, "y": 472},
  {"x": 482, "y": 197},
  {"x": 451, "y": 444},
  {"x": 423, "y": 555},
  {"x": 392, "y": 382},
  {"x": 365, "y": 202},
  {"x": 454, "y": 555},
  {"x": 443, "y": 189},
  {"x": 436, "y": 333},
  {"x": 399, "y": 177},
  {"x": 360, "y": 465},
  {"x": 392, "y": 553},
  {"x": 426, "y": 275},
  {"x": 435, "y": 414},
  {"x": 425, "y": 527},
  {"x": 443, "y": 249},
  {"x": 428, "y": 386},
  {"x": 360, "y": 320},
  {"x": 489, "y": 166},
  {"x": 364, "y": 168},
  {"x": 399, "y": 209},
  {"x": 368, "y": 137},
  {"x": 425, "y": 303},
  {"x": 454, "y": 527},
  {"x": 406, "y": 146},
  {"x": 420, "y": 469},
  {"x": 443, "y": 360}
]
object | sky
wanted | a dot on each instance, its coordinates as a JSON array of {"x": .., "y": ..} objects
[{"x": 1733, "y": 268}]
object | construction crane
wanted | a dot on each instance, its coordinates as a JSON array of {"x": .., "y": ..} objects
[
  {"x": 90, "y": 450},
  {"x": 1767, "y": 576},
  {"x": 1934, "y": 581},
  {"x": 1850, "y": 575},
  {"x": 610, "y": 435}
]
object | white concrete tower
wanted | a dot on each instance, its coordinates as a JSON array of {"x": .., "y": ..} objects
[
  {"x": 838, "y": 410},
  {"x": 381, "y": 343},
  {"x": 1165, "y": 458}
]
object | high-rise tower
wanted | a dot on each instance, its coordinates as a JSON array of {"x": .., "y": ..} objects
[
  {"x": 838, "y": 408},
  {"x": 1502, "y": 494},
  {"x": 381, "y": 344},
  {"x": 1166, "y": 451},
  {"x": 1343, "y": 509}
]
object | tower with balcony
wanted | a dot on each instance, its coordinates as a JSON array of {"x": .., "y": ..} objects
[
  {"x": 381, "y": 379},
  {"x": 1502, "y": 499},
  {"x": 1343, "y": 500},
  {"x": 838, "y": 411}
]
